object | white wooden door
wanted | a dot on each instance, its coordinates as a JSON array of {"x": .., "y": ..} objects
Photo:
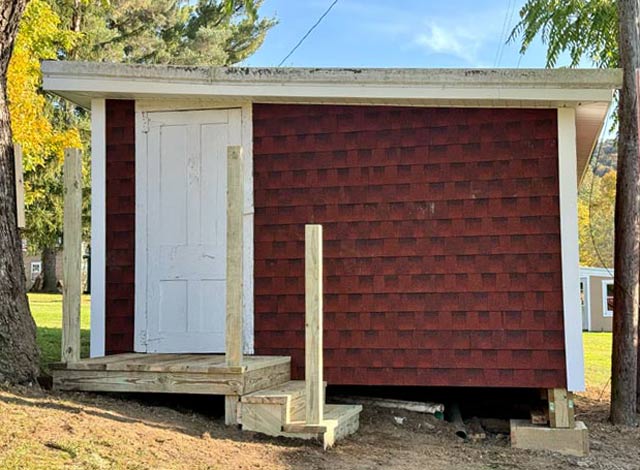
[{"x": 186, "y": 228}]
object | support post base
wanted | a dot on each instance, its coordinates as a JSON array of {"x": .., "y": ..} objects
[{"x": 525, "y": 435}]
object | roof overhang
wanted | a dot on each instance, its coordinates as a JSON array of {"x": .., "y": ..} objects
[{"x": 589, "y": 91}]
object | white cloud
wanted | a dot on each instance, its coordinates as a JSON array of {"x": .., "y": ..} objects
[
  {"x": 463, "y": 43},
  {"x": 469, "y": 35}
]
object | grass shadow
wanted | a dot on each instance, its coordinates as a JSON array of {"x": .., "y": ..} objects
[{"x": 50, "y": 343}]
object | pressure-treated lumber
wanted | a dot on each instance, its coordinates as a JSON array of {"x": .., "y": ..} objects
[
  {"x": 231, "y": 410},
  {"x": 17, "y": 155},
  {"x": 233, "y": 338},
  {"x": 571, "y": 441},
  {"x": 72, "y": 255},
  {"x": 172, "y": 373},
  {"x": 313, "y": 325},
  {"x": 561, "y": 412},
  {"x": 338, "y": 421}
]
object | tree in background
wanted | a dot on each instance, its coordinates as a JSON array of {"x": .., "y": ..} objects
[
  {"x": 606, "y": 32},
  {"x": 205, "y": 32},
  {"x": 42, "y": 143},
  {"x": 596, "y": 205},
  {"x": 18, "y": 350}
]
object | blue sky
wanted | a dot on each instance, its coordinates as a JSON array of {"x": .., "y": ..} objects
[{"x": 409, "y": 33}]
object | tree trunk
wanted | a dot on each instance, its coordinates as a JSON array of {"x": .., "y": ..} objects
[
  {"x": 18, "y": 350},
  {"x": 49, "y": 277},
  {"x": 624, "y": 359}
]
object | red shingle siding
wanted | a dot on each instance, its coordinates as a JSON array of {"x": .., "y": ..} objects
[
  {"x": 442, "y": 242},
  {"x": 120, "y": 225}
]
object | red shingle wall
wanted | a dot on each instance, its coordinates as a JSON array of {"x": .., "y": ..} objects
[
  {"x": 441, "y": 242},
  {"x": 120, "y": 225}
]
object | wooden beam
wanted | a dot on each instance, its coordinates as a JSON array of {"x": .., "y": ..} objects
[
  {"x": 231, "y": 410},
  {"x": 17, "y": 155},
  {"x": 233, "y": 337},
  {"x": 313, "y": 325},
  {"x": 148, "y": 382},
  {"x": 561, "y": 412},
  {"x": 72, "y": 255}
]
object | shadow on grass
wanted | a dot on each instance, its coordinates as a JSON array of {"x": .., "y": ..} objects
[
  {"x": 173, "y": 411},
  {"x": 50, "y": 343}
]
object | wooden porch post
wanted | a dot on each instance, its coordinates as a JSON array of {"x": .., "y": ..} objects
[
  {"x": 72, "y": 255},
  {"x": 313, "y": 325},
  {"x": 233, "y": 338}
]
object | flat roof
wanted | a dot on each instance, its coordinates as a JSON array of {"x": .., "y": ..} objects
[
  {"x": 519, "y": 78},
  {"x": 589, "y": 91}
]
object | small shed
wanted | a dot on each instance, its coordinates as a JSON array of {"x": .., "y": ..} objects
[
  {"x": 448, "y": 200},
  {"x": 596, "y": 293}
]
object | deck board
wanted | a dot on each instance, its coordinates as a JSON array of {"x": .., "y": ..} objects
[{"x": 171, "y": 373}]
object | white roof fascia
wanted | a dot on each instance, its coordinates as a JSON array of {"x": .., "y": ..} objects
[
  {"x": 136, "y": 81},
  {"x": 586, "y": 271}
]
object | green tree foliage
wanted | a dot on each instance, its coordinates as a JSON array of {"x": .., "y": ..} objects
[
  {"x": 596, "y": 206},
  {"x": 581, "y": 28},
  {"x": 204, "y": 32},
  {"x": 39, "y": 37}
]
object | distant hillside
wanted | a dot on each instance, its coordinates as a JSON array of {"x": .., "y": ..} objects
[
  {"x": 596, "y": 206},
  {"x": 606, "y": 157}
]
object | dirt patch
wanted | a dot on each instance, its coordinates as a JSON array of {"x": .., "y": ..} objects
[{"x": 42, "y": 430}]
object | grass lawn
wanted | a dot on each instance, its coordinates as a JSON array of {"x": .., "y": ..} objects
[
  {"x": 47, "y": 312},
  {"x": 597, "y": 360}
]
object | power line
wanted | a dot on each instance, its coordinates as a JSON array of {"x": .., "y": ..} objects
[
  {"x": 507, "y": 19},
  {"x": 308, "y": 32},
  {"x": 593, "y": 167}
]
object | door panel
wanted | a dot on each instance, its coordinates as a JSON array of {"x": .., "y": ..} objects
[{"x": 186, "y": 229}]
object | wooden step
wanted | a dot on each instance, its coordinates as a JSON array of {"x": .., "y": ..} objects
[
  {"x": 339, "y": 421},
  {"x": 277, "y": 405},
  {"x": 280, "y": 411}
]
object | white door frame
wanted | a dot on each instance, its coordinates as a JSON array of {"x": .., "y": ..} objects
[{"x": 142, "y": 108}]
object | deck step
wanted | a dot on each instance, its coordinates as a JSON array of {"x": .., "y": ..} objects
[
  {"x": 280, "y": 411},
  {"x": 339, "y": 421},
  {"x": 277, "y": 405}
]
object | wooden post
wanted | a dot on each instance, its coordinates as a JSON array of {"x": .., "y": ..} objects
[
  {"x": 17, "y": 149},
  {"x": 233, "y": 337},
  {"x": 561, "y": 412},
  {"x": 72, "y": 255},
  {"x": 313, "y": 325}
]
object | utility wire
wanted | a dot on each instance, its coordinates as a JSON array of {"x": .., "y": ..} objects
[
  {"x": 496, "y": 61},
  {"x": 308, "y": 32},
  {"x": 593, "y": 164},
  {"x": 509, "y": 22}
]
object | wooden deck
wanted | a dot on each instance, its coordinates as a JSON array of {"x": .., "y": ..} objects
[{"x": 171, "y": 373}]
